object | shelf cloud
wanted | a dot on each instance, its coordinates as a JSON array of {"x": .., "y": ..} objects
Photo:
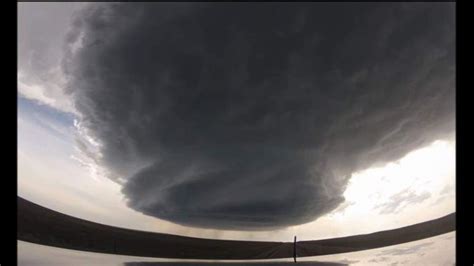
[{"x": 253, "y": 116}]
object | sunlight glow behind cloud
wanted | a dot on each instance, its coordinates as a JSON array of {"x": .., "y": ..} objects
[{"x": 427, "y": 170}]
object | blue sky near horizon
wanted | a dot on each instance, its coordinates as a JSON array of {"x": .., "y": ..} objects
[{"x": 27, "y": 106}]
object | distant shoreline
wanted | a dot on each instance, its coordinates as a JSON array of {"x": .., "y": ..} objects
[{"x": 43, "y": 226}]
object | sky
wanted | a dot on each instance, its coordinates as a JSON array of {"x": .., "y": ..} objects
[{"x": 240, "y": 121}]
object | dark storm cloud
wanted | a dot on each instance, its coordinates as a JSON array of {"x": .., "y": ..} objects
[{"x": 254, "y": 116}]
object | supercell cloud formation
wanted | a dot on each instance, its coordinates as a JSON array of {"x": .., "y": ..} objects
[{"x": 253, "y": 116}]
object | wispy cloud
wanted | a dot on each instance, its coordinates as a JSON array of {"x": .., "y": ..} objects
[{"x": 401, "y": 200}]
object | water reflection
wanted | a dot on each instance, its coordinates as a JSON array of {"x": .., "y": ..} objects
[
  {"x": 439, "y": 250},
  {"x": 279, "y": 263}
]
